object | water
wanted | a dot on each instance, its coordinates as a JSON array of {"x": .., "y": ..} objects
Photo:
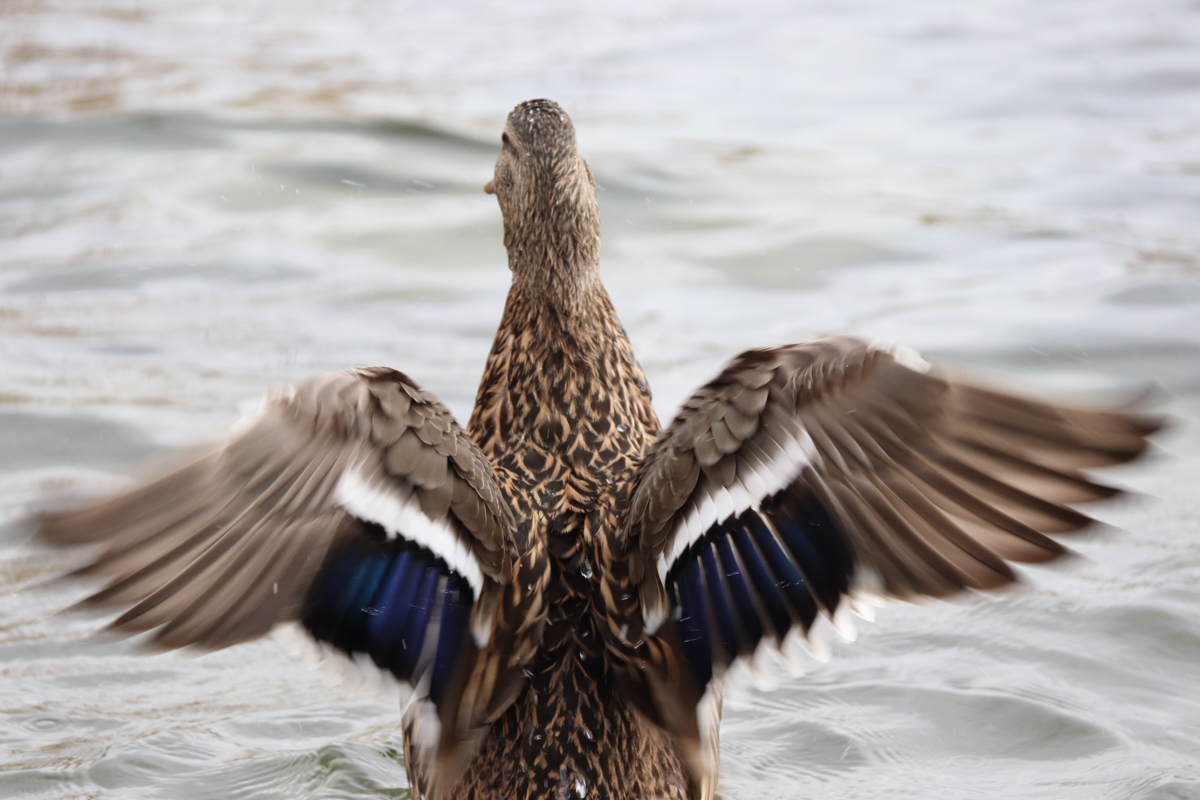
[{"x": 201, "y": 201}]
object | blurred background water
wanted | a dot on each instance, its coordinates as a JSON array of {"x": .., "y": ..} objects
[{"x": 200, "y": 201}]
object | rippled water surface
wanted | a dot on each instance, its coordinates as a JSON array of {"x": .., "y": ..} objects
[{"x": 200, "y": 201}]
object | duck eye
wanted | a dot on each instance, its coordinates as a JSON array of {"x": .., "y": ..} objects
[{"x": 505, "y": 140}]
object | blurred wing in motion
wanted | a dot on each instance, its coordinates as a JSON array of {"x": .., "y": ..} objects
[
  {"x": 805, "y": 472},
  {"x": 355, "y": 506}
]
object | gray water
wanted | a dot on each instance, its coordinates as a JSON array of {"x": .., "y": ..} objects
[{"x": 201, "y": 201}]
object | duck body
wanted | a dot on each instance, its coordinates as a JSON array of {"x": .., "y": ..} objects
[
  {"x": 564, "y": 414},
  {"x": 563, "y": 584}
]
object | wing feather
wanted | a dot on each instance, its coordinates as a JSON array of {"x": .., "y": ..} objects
[
  {"x": 804, "y": 471},
  {"x": 354, "y": 505}
]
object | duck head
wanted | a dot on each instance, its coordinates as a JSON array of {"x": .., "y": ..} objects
[{"x": 548, "y": 199}]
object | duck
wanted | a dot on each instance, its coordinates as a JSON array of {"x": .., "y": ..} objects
[{"x": 564, "y": 585}]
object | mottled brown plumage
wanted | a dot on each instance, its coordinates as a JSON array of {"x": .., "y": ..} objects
[
  {"x": 563, "y": 411},
  {"x": 563, "y": 584}
]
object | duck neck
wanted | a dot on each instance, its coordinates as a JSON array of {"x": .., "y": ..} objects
[
  {"x": 556, "y": 289},
  {"x": 549, "y": 312},
  {"x": 559, "y": 344}
]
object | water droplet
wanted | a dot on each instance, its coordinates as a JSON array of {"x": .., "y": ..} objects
[
  {"x": 622, "y": 427},
  {"x": 580, "y": 785},
  {"x": 529, "y": 587},
  {"x": 585, "y": 568},
  {"x": 608, "y": 479}
]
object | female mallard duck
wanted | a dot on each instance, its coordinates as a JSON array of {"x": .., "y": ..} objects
[{"x": 562, "y": 583}]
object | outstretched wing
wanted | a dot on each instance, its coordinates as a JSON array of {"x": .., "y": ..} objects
[
  {"x": 805, "y": 471},
  {"x": 355, "y": 506}
]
